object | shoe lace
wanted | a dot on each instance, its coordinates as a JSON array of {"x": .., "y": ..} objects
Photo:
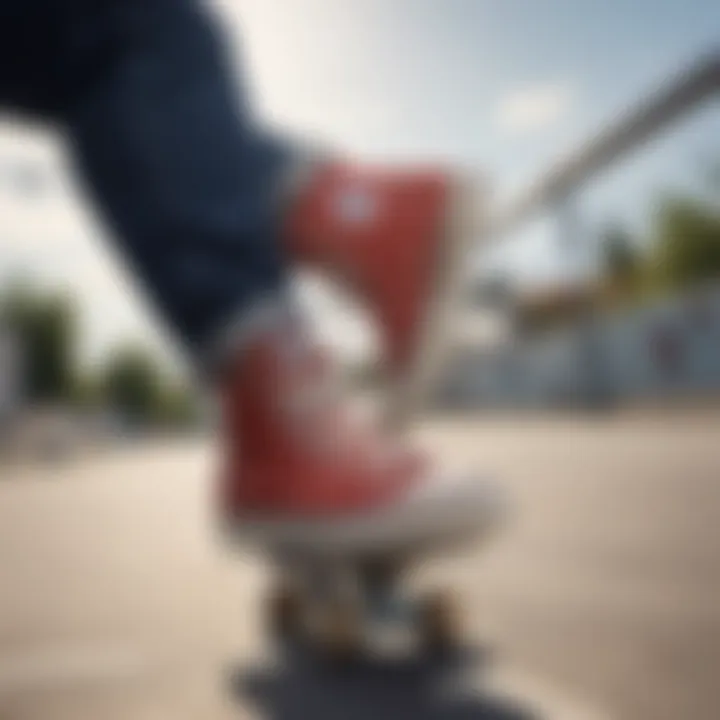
[{"x": 317, "y": 410}]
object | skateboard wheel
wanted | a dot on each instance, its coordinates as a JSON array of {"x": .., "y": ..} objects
[
  {"x": 285, "y": 613},
  {"x": 438, "y": 623}
]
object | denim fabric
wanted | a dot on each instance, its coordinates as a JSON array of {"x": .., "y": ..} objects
[{"x": 165, "y": 140}]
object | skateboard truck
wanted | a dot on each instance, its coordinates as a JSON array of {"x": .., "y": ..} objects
[{"x": 346, "y": 609}]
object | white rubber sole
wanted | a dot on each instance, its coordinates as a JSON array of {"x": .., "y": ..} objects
[
  {"x": 408, "y": 393},
  {"x": 433, "y": 519}
]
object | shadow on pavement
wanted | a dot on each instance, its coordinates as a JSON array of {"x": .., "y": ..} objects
[{"x": 299, "y": 688}]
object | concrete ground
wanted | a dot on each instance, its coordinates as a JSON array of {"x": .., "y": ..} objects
[{"x": 601, "y": 601}]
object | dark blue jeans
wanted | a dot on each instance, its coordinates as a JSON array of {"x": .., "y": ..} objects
[{"x": 165, "y": 141}]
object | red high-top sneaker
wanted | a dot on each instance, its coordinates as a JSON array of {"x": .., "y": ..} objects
[
  {"x": 301, "y": 474},
  {"x": 396, "y": 238}
]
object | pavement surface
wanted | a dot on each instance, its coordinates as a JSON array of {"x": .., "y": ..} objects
[{"x": 602, "y": 600}]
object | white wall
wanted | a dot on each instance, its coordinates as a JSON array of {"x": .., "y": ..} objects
[{"x": 670, "y": 348}]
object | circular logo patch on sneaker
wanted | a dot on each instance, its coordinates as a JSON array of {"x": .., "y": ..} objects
[{"x": 356, "y": 204}]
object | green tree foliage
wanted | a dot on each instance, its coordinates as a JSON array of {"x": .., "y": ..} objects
[
  {"x": 686, "y": 247},
  {"x": 138, "y": 387},
  {"x": 621, "y": 258},
  {"x": 177, "y": 407},
  {"x": 87, "y": 392},
  {"x": 133, "y": 381},
  {"x": 45, "y": 326},
  {"x": 132, "y": 384},
  {"x": 683, "y": 249}
]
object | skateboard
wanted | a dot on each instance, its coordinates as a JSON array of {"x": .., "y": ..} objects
[
  {"x": 346, "y": 602},
  {"x": 344, "y": 609}
]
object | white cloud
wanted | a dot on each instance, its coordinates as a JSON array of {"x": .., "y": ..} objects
[{"x": 533, "y": 107}]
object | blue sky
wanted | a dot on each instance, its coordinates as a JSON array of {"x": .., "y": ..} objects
[
  {"x": 499, "y": 86},
  {"x": 435, "y": 70}
]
